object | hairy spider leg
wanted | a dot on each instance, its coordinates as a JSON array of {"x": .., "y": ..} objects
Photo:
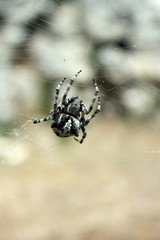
[
  {"x": 57, "y": 95},
  {"x": 41, "y": 120},
  {"x": 94, "y": 98},
  {"x": 96, "y": 112},
  {"x": 83, "y": 136},
  {"x": 69, "y": 86}
]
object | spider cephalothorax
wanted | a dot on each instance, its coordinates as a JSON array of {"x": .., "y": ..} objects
[{"x": 68, "y": 117}]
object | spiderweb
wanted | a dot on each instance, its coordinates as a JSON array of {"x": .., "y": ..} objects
[{"x": 54, "y": 40}]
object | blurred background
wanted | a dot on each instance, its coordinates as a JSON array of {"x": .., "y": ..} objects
[{"x": 108, "y": 188}]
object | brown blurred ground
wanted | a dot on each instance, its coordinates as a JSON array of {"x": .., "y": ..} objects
[{"x": 107, "y": 188}]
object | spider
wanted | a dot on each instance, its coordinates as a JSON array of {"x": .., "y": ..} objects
[{"x": 68, "y": 117}]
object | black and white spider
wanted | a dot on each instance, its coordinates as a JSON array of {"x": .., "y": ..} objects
[{"x": 68, "y": 117}]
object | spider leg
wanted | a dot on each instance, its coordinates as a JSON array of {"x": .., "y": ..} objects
[
  {"x": 83, "y": 136},
  {"x": 69, "y": 86},
  {"x": 56, "y": 95},
  {"x": 96, "y": 112},
  {"x": 40, "y": 120},
  {"x": 94, "y": 98}
]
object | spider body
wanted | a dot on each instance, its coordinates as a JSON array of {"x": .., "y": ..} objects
[
  {"x": 65, "y": 125},
  {"x": 68, "y": 117}
]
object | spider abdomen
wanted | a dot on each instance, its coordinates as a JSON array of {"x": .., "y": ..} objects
[{"x": 65, "y": 125}]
